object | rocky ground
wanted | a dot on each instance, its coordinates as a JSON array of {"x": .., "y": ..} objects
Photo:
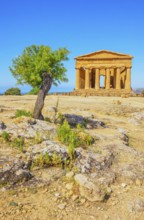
[{"x": 105, "y": 180}]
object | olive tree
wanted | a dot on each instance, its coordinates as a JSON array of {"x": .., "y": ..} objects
[{"x": 40, "y": 67}]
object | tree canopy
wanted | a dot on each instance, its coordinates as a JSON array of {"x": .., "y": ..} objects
[
  {"x": 35, "y": 60},
  {"x": 40, "y": 67}
]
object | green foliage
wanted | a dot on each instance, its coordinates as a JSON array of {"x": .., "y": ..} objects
[
  {"x": 44, "y": 160},
  {"x": 13, "y": 91},
  {"x": 12, "y": 203},
  {"x": 56, "y": 159},
  {"x": 18, "y": 143},
  {"x": 5, "y": 136},
  {"x": 71, "y": 152},
  {"x": 68, "y": 136},
  {"x": 20, "y": 113},
  {"x": 38, "y": 138},
  {"x": 34, "y": 91},
  {"x": 63, "y": 132},
  {"x": 73, "y": 137},
  {"x": 60, "y": 118},
  {"x": 40, "y": 161},
  {"x": 47, "y": 119},
  {"x": 35, "y": 60}
]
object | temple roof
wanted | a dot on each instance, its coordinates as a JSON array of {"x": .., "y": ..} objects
[{"x": 104, "y": 54}]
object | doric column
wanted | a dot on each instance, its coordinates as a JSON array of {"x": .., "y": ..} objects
[
  {"x": 107, "y": 78},
  {"x": 112, "y": 71},
  {"x": 77, "y": 78},
  {"x": 114, "y": 78},
  {"x": 112, "y": 75},
  {"x": 118, "y": 78},
  {"x": 128, "y": 79},
  {"x": 97, "y": 79},
  {"x": 87, "y": 78}
]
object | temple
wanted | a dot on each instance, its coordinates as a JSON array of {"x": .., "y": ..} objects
[{"x": 103, "y": 71}]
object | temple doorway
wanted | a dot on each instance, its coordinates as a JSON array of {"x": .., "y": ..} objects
[{"x": 102, "y": 81}]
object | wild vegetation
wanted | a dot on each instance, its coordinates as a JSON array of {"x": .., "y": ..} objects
[
  {"x": 20, "y": 113},
  {"x": 40, "y": 67},
  {"x": 13, "y": 91}
]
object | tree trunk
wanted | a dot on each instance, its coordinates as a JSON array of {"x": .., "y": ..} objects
[{"x": 45, "y": 87}]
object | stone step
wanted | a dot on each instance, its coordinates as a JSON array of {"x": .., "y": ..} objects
[{"x": 103, "y": 92}]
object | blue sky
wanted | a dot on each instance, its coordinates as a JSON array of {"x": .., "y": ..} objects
[{"x": 80, "y": 25}]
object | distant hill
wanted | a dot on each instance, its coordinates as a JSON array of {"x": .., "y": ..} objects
[{"x": 138, "y": 90}]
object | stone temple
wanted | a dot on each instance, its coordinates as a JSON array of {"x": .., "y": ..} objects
[{"x": 103, "y": 72}]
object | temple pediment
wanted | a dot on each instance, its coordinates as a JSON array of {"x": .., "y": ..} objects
[{"x": 104, "y": 54}]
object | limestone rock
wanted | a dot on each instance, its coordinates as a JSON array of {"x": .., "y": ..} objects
[
  {"x": 73, "y": 120},
  {"x": 70, "y": 174},
  {"x": 88, "y": 189},
  {"x": 89, "y": 123},
  {"x": 14, "y": 171},
  {"x": 136, "y": 206},
  {"x": 51, "y": 109},
  {"x": 139, "y": 116},
  {"x": 49, "y": 147},
  {"x": 89, "y": 162},
  {"x": 69, "y": 186},
  {"x": 62, "y": 206},
  {"x": 29, "y": 128}
]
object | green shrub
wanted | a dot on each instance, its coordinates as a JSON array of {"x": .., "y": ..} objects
[
  {"x": 39, "y": 162},
  {"x": 38, "y": 138},
  {"x": 18, "y": 143},
  {"x": 44, "y": 160},
  {"x": 73, "y": 137},
  {"x": 68, "y": 136},
  {"x": 34, "y": 91},
  {"x": 20, "y": 113},
  {"x": 60, "y": 118},
  {"x": 71, "y": 152},
  {"x": 47, "y": 119},
  {"x": 56, "y": 159},
  {"x": 13, "y": 91},
  {"x": 5, "y": 136}
]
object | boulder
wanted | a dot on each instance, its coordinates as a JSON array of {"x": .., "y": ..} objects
[
  {"x": 88, "y": 189},
  {"x": 13, "y": 171}
]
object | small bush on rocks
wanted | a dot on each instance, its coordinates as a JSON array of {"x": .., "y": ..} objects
[
  {"x": 68, "y": 136},
  {"x": 18, "y": 143},
  {"x": 5, "y": 136},
  {"x": 60, "y": 118},
  {"x": 45, "y": 160},
  {"x": 73, "y": 137},
  {"x": 38, "y": 138}
]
